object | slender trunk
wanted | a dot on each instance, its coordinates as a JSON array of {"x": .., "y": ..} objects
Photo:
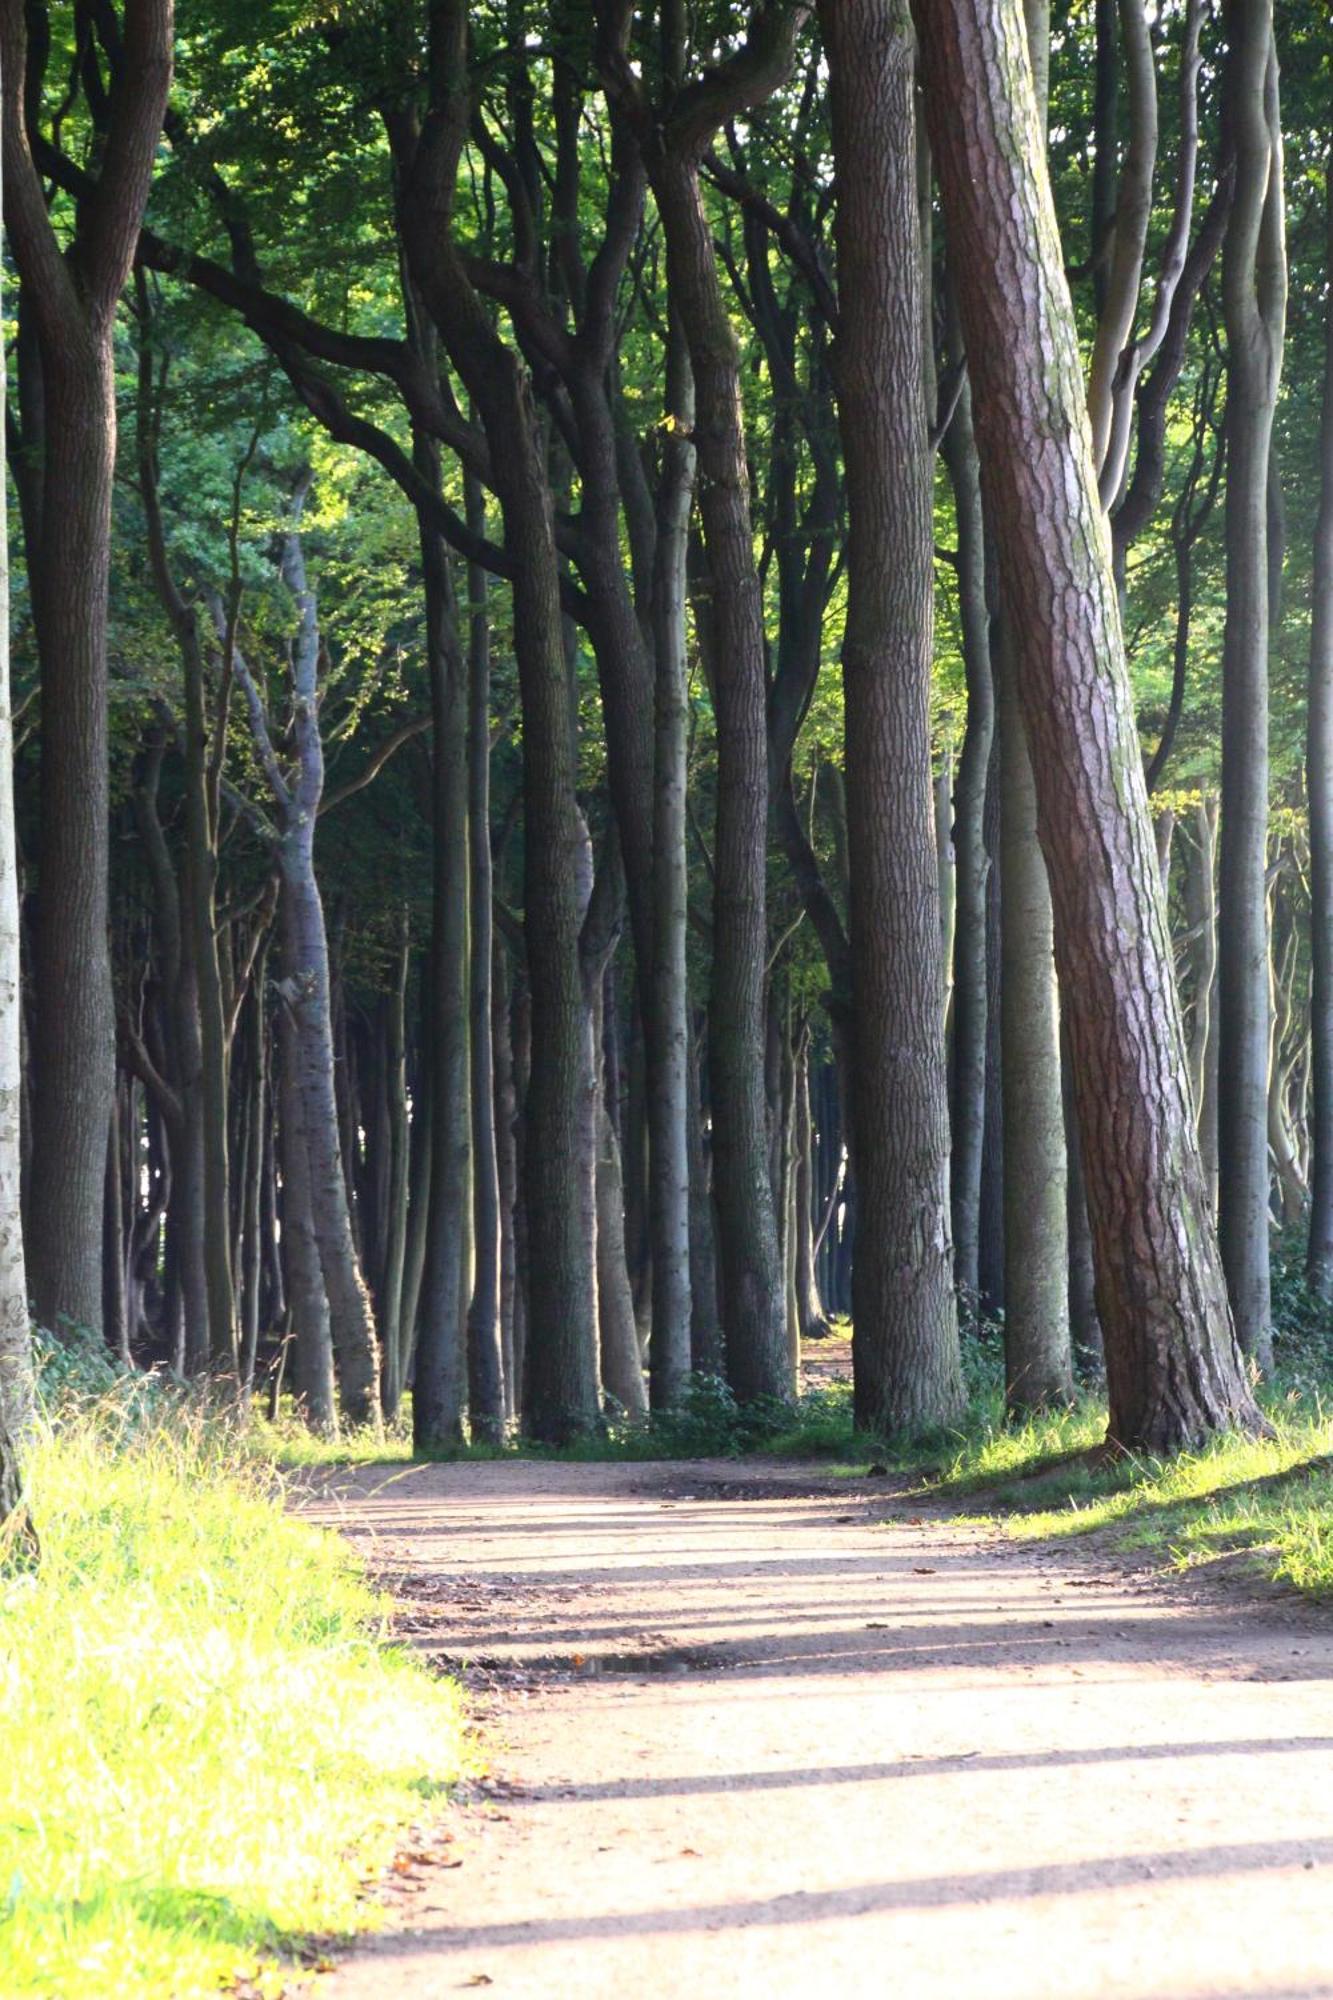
[
  {"x": 752, "y": 1289},
  {"x": 666, "y": 991},
  {"x": 1036, "y": 1240},
  {"x": 307, "y": 1298},
  {"x": 1319, "y": 790},
  {"x": 1174, "y": 1370},
  {"x": 707, "y": 1351},
  {"x": 905, "y": 1352},
  {"x": 439, "y": 1392},
  {"x": 1253, "y": 299},
  {"x": 486, "y": 1382},
  {"x": 506, "y": 1153}
]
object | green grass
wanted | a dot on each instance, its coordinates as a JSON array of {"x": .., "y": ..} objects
[
  {"x": 208, "y": 1743},
  {"x": 1270, "y": 1500}
]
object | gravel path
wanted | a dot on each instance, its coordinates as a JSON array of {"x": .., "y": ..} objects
[{"x": 753, "y": 1733}]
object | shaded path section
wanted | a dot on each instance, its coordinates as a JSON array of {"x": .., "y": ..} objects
[{"x": 761, "y": 1735}]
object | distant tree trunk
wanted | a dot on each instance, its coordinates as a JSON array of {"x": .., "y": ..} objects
[
  {"x": 667, "y": 991},
  {"x": 1254, "y": 312},
  {"x": 707, "y": 1353},
  {"x": 905, "y": 1352},
  {"x": 308, "y": 1303},
  {"x": 1036, "y": 1231},
  {"x": 73, "y": 299},
  {"x": 813, "y": 1322},
  {"x": 439, "y": 1383},
  {"x": 1173, "y": 1367},
  {"x": 486, "y": 1383},
  {"x": 306, "y": 993},
  {"x": 559, "y": 1181},
  {"x": 971, "y": 859},
  {"x": 506, "y": 1150},
  {"x": 395, "y": 1235},
  {"x": 1319, "y": 790}
]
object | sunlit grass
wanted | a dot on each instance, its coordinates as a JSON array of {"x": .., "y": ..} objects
[
  {"x": 208, "y": 1743},
  {"x": 1271, "y": 1497}
]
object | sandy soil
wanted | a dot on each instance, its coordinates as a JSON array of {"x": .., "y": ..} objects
[{"x": 755, "y": 1734}]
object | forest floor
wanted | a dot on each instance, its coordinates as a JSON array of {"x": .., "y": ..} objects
[{"x": 756, "y": 1730}]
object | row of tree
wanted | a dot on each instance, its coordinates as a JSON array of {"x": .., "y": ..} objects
[{"x": 463, "y": 930}]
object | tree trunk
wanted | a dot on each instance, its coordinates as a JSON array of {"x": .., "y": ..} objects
[
  {"x": 752, "y": 1287},
  {"x": 905, "y": 1352},
  {"x": 73, "y": 300},
  {"x": 1319, "y": 790},
  {"x": 667, "y": 992},
  {"x": 1173, "y": 1367},
  {"x": 1254, "y": 302},
  {"x": 17, "y": 1378},
  {"x": 707, "y": 1350},
  {"x": 1037, "y": 1363},
  {"x": 971, "y": 859},
  {"x": 439, "y": 1390},
  {"x": 486, "y": 1383},
  {"x": 308, "y": 1303}
]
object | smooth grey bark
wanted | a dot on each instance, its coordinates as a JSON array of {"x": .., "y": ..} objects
[
  {"x": 971, "y": 858},
  {"x": 667, "y": 991},
  {"x": 707, "y": 1353},
  {"x": 486, "y": 1380},
  {"x": 1254, "y": 314},
  {"x": 905, "y": 1352},
  {"x": 1319, "y": 793},
  {"x": 305, "y": 987},
  {"x": 399, "y": 1183},
  {"x": 440, "y": 1371},
  {"x": 1038, "y": 1369},
  {"x": 308, "y": 1306}
]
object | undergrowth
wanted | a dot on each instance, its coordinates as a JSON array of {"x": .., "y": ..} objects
[{"x": 208, "y": 1743}]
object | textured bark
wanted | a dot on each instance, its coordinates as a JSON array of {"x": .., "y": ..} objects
[
  {"x": 905, "y": 1352},
  {"x": 73, "y": 298},
  {"x": 1254, "y": 310},
  {"x": 390, "y": 1300},
  {"x": 1319, "y": 791},
  {"x": 1173, "y": 1367}
]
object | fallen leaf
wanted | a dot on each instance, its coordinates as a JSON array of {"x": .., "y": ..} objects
[
  {"x": 479, "y": 1979},
  {"x": 923, "y": 1569}
]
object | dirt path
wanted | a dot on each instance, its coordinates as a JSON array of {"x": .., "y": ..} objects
[{"x": 751, "y": 1736}]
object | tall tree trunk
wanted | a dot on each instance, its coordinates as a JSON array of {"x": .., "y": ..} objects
[
  {"x": 17, "y": 1382},
  {"x": 1174, "y": 1370},
  {"x": 667, "y": 992},
  {"x": 707, "y": 1349},
  {"x": 905, "y": 1354},
  {"x": 971, "y": 859},
  {"x": 439, "y": 1390},
  {"x": 1037, "y": 1362},
  {"x": 1319, "y": 790},
  {"x": 486, "y": 1384},
  {"x": 559, "y": 1182},
  {"x": 73, "y": 300},
  {"x": 1254, "y": 311},
  {"x": 306, "y": 992},
  {"x": 752, "y": 1288},
  {"x": 308, "y": 1303}
]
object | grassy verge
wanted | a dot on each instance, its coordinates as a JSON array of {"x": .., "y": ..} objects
[
  {"x": 208, "y": 1742},
  {"x": 1270, "y": 1499}
]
